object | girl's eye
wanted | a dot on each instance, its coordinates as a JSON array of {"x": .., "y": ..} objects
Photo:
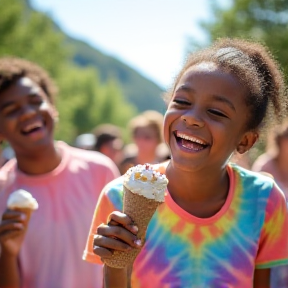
[
  {"x": 181, "y": 102},
  {"x": 217, "y": 113}
]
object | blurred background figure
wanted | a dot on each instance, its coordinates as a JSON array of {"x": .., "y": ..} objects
[
  {"x": 275, "y": 162},
  {"x": 162, "y": 152},
  {"x": 7, "y": 154},
  {"x": 146, "y": 134},
  {"x": 243, "y": 160},
  {"x": 109, "y": 141},
  {"x": 85, "y": 141}
]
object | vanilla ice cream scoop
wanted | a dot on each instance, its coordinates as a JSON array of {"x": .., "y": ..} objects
[
  {"x": 22, "y": 199},
  {"x": 143, "y": 180}
]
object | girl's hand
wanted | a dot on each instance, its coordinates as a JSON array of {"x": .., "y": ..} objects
[
  {"x": 261, "y": 278},
  {"x": 118, "y": 234},
  {"x": 12, "y": 230}
]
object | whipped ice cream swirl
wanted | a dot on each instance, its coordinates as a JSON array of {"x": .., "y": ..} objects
[
  {"x": 143, "y": 180},
  {"x": 22, "y": 199}
]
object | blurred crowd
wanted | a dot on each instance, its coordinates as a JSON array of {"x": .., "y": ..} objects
[{"x": 145, "y": 146}]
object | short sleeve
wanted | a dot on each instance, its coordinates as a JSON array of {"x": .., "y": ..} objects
[
  {"x": 273, "y": 245},
  {"x": 109, "y": 200}
]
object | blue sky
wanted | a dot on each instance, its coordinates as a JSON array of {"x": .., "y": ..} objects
[{"x": 149, "y": 35}]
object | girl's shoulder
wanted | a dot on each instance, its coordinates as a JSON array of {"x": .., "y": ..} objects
[
  {"x": 249, "y": 181},
  {"x": 257, "y": 177}
]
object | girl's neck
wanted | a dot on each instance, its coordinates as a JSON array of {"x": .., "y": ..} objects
[
  {"x": 39, "y": 163},
  {"x": 200, "y": 193}
]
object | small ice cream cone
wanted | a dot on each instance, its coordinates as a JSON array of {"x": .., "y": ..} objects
[
  {"x": 23, "y": 201},
  {"x": 140, "y": 209},
  {"x": 28, "y": 212}
]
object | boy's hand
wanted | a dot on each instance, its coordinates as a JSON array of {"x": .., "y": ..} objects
[
  {"x": 12, "y": 230},
  {"x": 118, "y": 234}
]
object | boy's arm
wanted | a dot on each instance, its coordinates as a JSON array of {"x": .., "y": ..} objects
[
  {"x": 9, "y": 273},
  {"x": 261, "y": 278},
  {"x": 117, "y": 278},
  {"x": 12, "y": 231}
]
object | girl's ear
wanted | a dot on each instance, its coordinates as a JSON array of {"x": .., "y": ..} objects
[{"x": 247, "y": 141}]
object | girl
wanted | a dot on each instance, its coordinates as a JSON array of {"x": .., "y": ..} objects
[{"x": 220, "y": 225}]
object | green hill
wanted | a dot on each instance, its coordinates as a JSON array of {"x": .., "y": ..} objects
[
  {"x": 137, "y": 89},
  {"x": 140, "y": 91}
]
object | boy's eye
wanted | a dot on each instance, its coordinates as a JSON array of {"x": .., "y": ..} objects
[
  {"x": 35, "y": 99},
  {"x": 217, "y": 113},
  {"x": 9, "y": 110}
]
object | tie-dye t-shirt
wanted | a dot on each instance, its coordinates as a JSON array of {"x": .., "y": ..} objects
[{"x": 222, "y": 251}]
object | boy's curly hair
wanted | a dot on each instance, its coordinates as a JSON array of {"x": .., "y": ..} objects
[{"x": 12, "y": 69}]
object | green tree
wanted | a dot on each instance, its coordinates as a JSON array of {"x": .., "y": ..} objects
[
  {"x": 261, "y": 20},
  {"x": 87, "y": 102},
  {"x": 31, "y": 35},
  {"x": 84, "y": 100}
]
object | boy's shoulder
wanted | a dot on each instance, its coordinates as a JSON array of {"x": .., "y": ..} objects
[{"x": 87, "y": 156}]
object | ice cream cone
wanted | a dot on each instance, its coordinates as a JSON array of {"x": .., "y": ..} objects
[
  {"x": 23, "y": 201},
  {"x": 140, "y": 209},
  {"x": 28, "y": 212}
]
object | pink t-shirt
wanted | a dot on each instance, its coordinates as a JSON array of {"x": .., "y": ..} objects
[{"x": 52, "y": 250}]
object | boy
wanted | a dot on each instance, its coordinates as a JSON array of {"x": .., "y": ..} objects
[{"x": 65, "y": 181}]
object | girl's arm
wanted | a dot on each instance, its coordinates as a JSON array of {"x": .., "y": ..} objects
[
  {"x": 118, "y": 234},
  {"x": 9, "y": 273},
  {"x": 261, "y": 278},
  {"x": 117, "y": 278}
]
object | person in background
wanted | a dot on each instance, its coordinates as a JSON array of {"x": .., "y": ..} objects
[
  {"x": 146, "y": 133},
  {"x": 109, "y": 141},
  {"x": 275, "y": 162},
  {"x": 85, "y": 141},
  {"x": 221, "y": 225},
  {"x": 242, "y": 160},
  {"x": 64, "y": 180}
]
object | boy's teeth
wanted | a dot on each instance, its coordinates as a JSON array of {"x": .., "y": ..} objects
[{"x": 33, "y": 126}]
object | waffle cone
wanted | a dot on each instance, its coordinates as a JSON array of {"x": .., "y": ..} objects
[
  {"x": 28, "y": 213},
  {"x": 140, "y": 209}
]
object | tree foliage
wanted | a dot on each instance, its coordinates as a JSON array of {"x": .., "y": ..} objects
[
  {"x": 138, "y": 90},
  {"x": 84, "y": 101},
  {"x": 261, "y": 20}
]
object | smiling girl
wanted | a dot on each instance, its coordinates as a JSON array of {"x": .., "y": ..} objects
[{"x": 220, "y": 225}]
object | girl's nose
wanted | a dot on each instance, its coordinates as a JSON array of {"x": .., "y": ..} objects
[{"x": 192, "y": 118}]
